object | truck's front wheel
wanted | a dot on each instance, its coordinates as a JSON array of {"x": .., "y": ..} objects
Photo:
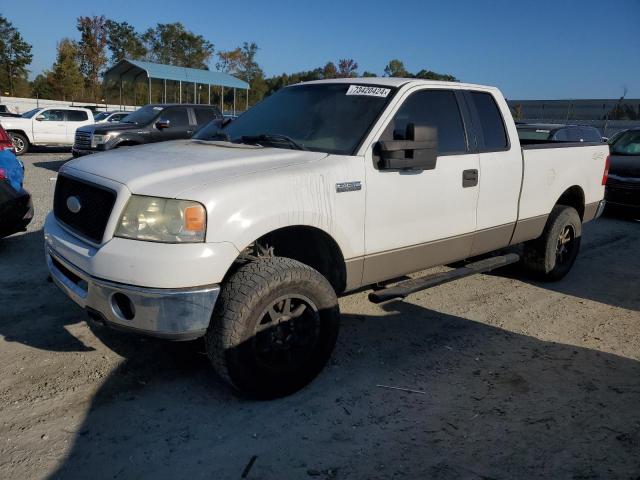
[
  {"x": 551, "y": 256},
  {"x": 274, "y": 327},
  {"x": 20, "y": 143}
]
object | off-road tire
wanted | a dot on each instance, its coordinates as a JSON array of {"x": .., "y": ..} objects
[
  {"x": 541, "y": 256},
  {"x": 232, "y": 340},
  {"x": 20, "y": 142}
]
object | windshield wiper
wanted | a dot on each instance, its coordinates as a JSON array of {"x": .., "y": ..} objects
[{"x": 273, "y": 139}]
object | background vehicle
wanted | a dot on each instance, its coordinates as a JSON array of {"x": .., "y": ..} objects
[
  {"x": 16, "y": 209},
  {"x": 322, "y": 188},
  {"x": 545, "y": 132},
  {"x": 110, "y": 117},
  {"x": 55, "y": 126},
  {"x": 623, "y": 184},
  {"x": 151, "y": 123},
  {"x": 7, "y": 112}
]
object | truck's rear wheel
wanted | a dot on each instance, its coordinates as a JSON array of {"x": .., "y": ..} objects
[
  {"x": 551, "y": 256},
  {"x": 274, "y": 327},
  {"x": 20, "y": 142}
]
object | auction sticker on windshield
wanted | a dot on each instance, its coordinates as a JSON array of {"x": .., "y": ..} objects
[{"x": 368, "y": 91}]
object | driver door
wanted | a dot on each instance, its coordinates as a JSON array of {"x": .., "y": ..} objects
[
  {"x": 49, "y": 126},
  {"x": 417, "y": 219}
]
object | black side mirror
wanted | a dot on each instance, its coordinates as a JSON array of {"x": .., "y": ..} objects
[
  {"x": 419, "y": 150},
  {"x": 162, "y": 124}
]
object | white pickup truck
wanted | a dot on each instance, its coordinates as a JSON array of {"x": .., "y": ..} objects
[
  {"x": 50, "y": 126},
  {"x": 246, "y": 235}
]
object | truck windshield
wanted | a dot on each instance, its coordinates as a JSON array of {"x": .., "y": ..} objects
[
  {"x": 329, "y": 117},
  {"x": 143, "y": 115},
  {"x": 627, "y": 144},
  {"x": 31, "y": 113}
]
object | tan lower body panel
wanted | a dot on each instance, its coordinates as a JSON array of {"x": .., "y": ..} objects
[
  {"x": 394, "y": 263},
  {"x": 528, "y": 229},
  {"x": 492, "y": 239},
  {"x": 590, "y": 211}
]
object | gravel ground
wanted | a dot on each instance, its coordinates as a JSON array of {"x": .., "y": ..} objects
[{"x": 520, "y": 380}]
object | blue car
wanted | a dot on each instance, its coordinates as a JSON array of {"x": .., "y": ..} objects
[{"x": 16, "y": 208}]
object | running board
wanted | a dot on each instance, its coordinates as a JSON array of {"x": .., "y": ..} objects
[{"x": 407, "y": 287}]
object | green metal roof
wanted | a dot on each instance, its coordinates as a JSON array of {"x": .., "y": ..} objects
[{"x": 130, "y": 70}]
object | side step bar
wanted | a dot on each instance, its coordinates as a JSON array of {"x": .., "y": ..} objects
[{"x": 407, "y": 287}]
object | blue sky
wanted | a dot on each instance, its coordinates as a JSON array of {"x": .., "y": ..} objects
[{"x": 530, "y": 49}]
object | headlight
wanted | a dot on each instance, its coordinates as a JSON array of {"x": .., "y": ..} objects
[
  {"x": 101, "y": 139},
  {"x": 162, "y": 220}
]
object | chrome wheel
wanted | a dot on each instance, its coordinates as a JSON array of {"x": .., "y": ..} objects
[
  {"x": 565, "y": 245},
  {"x": 18, "y": 143},
  {"x": 287, "y": 333}
]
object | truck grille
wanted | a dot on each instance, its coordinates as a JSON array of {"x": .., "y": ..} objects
[
  {"x": 82, "y": 140},
  {"x": 95, "y": 202}
]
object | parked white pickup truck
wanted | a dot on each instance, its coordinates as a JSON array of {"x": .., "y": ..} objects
[
  {"x": 246, "y": 235},
  {"x": 51, "y": 126}
]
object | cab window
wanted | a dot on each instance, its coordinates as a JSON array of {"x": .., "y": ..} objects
[
  {"x": 53, "y": 115},
  {"x": 431, "y": 108}
]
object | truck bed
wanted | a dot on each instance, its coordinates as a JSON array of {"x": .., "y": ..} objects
[{"x": 551, "y": 168}]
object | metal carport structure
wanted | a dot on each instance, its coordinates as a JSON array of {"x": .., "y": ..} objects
[{"x": 132, "y": 70}]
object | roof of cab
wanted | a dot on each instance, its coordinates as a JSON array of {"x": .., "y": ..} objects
[{"x": 399, "y": 82}]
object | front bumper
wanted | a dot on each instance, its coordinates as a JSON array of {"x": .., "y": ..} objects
[{"x": 175, "y": 314}]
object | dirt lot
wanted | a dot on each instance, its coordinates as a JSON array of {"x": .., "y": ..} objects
[{"x": 521, "y": 380}]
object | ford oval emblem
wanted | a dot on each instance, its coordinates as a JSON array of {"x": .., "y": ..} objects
[{"x": 73, "y": 204}]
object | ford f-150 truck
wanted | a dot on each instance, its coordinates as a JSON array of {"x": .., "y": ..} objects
[
  {"x": 246, "y": 235},
  {"x": 51, "y": 126}
]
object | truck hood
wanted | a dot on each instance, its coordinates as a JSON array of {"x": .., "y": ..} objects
[
  {"x": 106, "y": 127},
  {"x": 167, "y": 169},
  {"x": 14, "y": 122},
  {"x": 625, "y": 165}
]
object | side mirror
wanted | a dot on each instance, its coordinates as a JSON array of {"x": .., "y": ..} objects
[
  {"x": 40, "y": 118},
  {"x": 162, "y": 124},
  {"x": 419, "y": 150}
]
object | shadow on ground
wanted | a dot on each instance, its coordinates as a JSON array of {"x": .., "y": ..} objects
[
  {"x": 607, "y": 269},
  {"x": 53, "y": 165},
  {"x": 497, "y": 405}
]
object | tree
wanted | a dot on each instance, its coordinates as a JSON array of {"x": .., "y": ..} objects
[
  {"x": 330, "y": 70},
  {"x": 242, "y": 63},
  {"x": 124, "y": 42},
  {"x": 430, "y": 75},
  {"x": 91, "y": 50},
  {"x": 42, "y": 86},
  {"x": 15, "y": 56},
  {"x": 395, "y": 68},
  {"x": 172, "y": 44},
  {"x": 366, "y": 73},
  {"x": 66, "y": 76},
  {"x": 347, "y": 67}
]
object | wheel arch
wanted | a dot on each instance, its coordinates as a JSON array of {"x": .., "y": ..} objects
[
  {"x": 309, "y": 245},
  {"x": 573, "y": 197}
]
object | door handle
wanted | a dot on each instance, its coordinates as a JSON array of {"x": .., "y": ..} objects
[{"x": 469, "y": 178}]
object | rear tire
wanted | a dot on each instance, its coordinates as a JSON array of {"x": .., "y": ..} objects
[
  {"x": 551, "y": 256},
  {"x": 20, "y": 142},
  {"x": 274, "y": 327}
]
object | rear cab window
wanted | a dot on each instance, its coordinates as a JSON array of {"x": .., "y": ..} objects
[
  {"x": 491, "y": 128},
  {"x": 204, "y": 115},
  {"x": 77, "y": 116}
]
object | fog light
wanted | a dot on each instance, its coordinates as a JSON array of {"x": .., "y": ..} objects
[{"x": 123, "y": 306}]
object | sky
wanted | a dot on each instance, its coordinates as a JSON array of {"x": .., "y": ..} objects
[{"x": 542, "y": 49}]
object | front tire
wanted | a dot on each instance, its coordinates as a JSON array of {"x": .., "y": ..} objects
[
  {"x": 551, "y": 256},
  {"x": 20, "y": 142},
  {"x": 274, "y": 327}
]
